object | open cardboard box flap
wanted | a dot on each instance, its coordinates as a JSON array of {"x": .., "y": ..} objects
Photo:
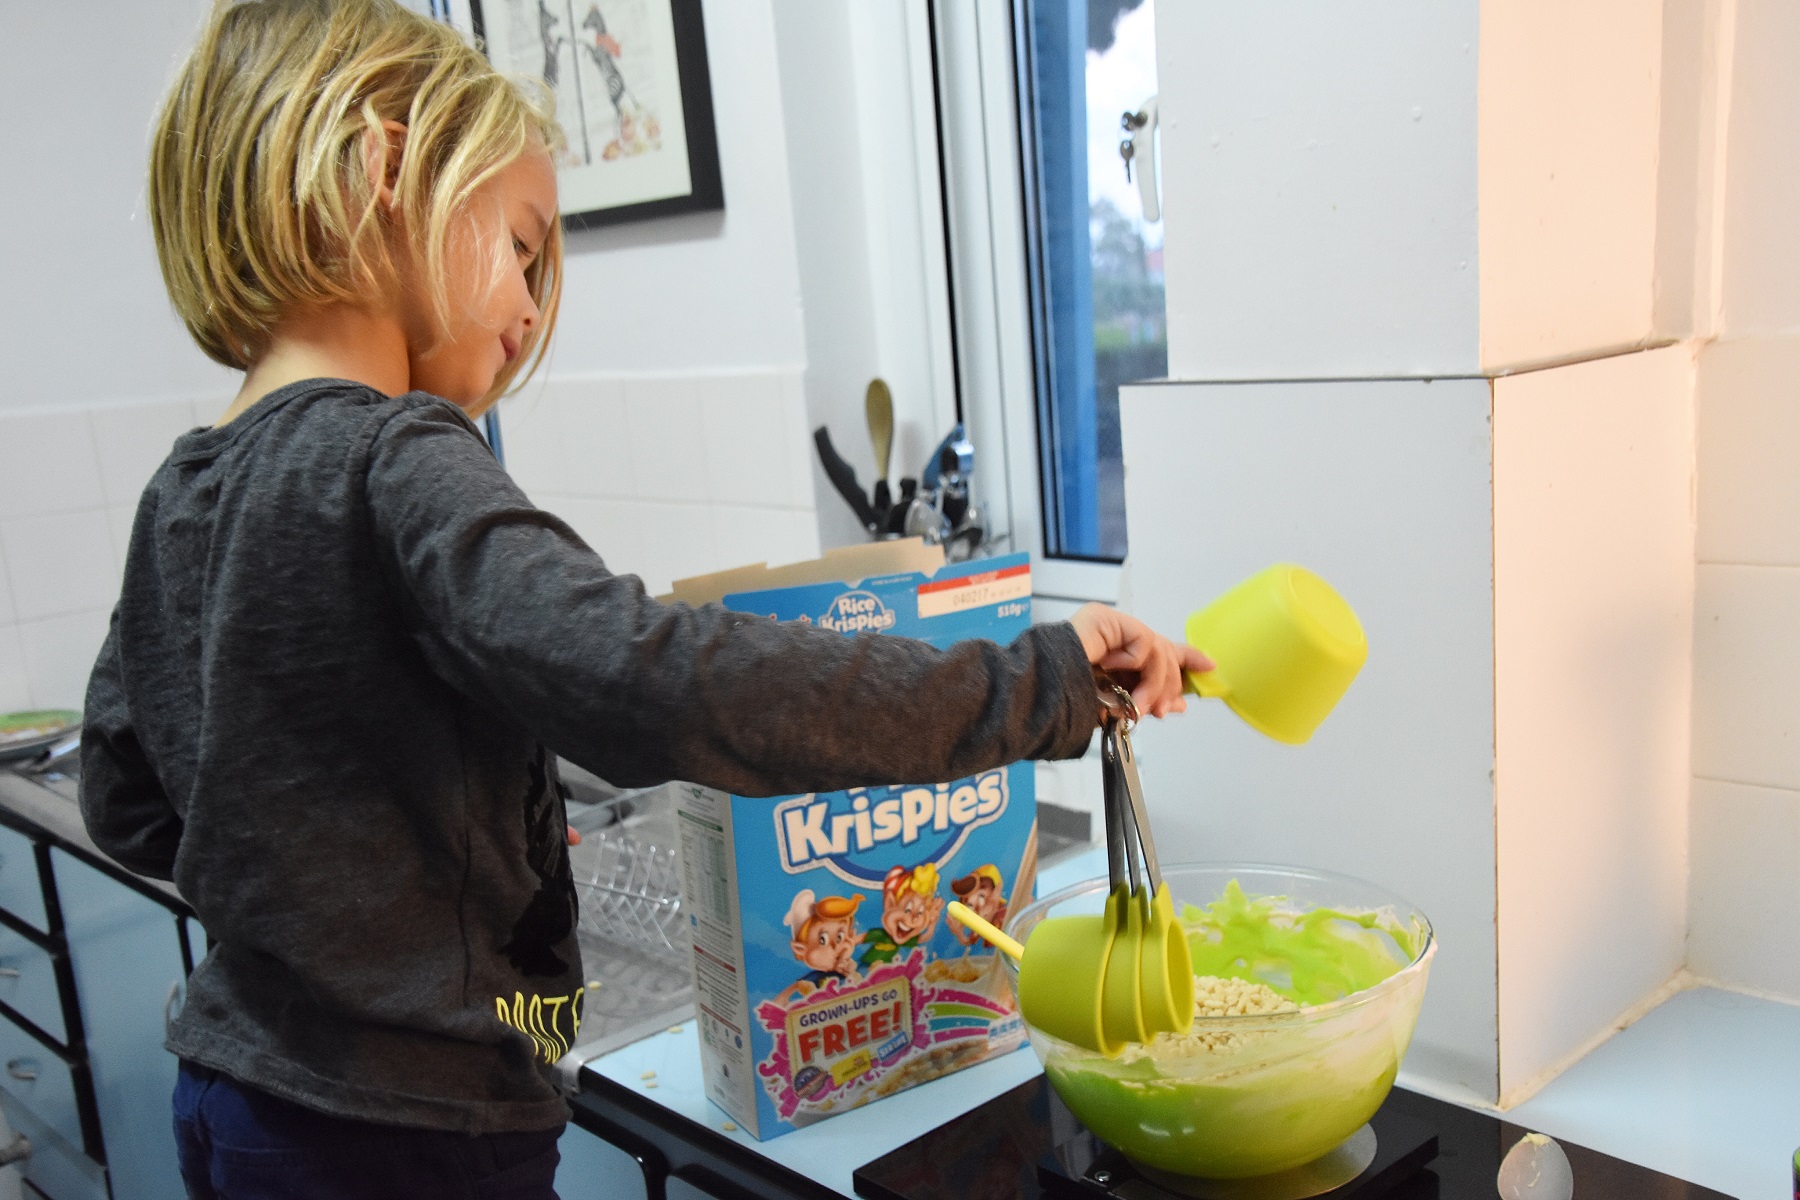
[{"x": 846, "y": 564}]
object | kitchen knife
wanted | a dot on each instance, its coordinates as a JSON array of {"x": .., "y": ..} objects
[{"x": 843, "y": 478}]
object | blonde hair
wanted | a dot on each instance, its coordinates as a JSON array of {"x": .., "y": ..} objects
[{"x": 260, "y": 200}]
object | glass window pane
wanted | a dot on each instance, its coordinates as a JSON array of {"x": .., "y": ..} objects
[{"x": 1096, "y": 262}]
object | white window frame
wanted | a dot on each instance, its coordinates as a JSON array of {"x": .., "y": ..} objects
[{"x": 984, "y": 199}]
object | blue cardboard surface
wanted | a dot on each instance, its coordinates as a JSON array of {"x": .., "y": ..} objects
[{"x": 826, "y": 972}]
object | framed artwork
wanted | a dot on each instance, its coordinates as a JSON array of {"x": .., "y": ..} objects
[{"x": 632, "y": 95}]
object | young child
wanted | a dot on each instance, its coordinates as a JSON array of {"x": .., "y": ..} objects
[{"x": 348, "y": 648}]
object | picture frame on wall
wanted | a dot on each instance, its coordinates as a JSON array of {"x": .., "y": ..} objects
[{"x": 633, "y": 96}]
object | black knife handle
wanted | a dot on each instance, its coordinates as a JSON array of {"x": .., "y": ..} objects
[{"x": 843, "y": 478}]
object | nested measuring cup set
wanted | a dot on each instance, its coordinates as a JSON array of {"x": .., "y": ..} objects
[{"x": 1286, "y": 647}]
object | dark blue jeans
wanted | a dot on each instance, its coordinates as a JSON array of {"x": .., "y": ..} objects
[{"x": 237, "y": 1143}]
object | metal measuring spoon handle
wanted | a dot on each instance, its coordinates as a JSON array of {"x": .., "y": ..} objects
[
  {"x": 1134, "y": 795},
  {"x": 1115, "y": 705},
  {"x": 1113, "y": 808},
  {"x": 1119, "y": 787}
]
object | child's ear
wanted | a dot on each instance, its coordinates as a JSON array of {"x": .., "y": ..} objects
[
  {"x": 381, "y": 160},
  {"x": 799, "y": 948}
]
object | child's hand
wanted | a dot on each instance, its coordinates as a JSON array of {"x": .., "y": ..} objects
[
  {"x": 574, "y": 837},
  {"x": 1146, "y": 662}
]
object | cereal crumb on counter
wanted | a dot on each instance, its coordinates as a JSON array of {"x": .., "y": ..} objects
[
  {"x": 650, "y": 1083},
  {"x": 729, "y": 1127},
  {"x": 648, "y": 1075},
  {"x": 675, "y": 1029},
  {"x": 593, "y": 985}
]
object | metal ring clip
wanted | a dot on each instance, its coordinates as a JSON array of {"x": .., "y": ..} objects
[{"x": 1116, "y": 703}]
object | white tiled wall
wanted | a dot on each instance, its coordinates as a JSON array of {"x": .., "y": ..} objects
[
  {"x": 1745, "y": 900},
  {"x": 69, "y": 484},
  {"x": 1745, "y": 918},
  {"x": 668, "y": 476},
  {"x": 1745, "y": 817}
]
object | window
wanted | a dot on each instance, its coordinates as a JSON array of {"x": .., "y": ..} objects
[
  {"x": 1086, "y": 84},
  {"x": 1056, "y": 281}
]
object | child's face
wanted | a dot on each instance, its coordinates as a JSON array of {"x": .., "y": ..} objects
[{"x": 491, "y": 311}]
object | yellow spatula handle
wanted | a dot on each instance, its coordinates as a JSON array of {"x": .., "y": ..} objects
[{"x": 986, "y": 929}]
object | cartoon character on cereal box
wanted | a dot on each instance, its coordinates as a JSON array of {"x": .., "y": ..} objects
[
  {"x": 824, "y": 938},
  {"x": 910, "y": 907},
  {"x": 983, "y": 891}
]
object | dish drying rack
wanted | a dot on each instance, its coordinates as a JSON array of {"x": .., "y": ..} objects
[{"x": 627, "y": 876}]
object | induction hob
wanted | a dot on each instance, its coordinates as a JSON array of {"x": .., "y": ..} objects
[{"x": 1026, "y": 1144}]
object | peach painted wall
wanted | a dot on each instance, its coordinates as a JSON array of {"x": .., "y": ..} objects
[
  {"x": 1746, "y": 806},
  {"x": 1593, "y": 618},
  {"x": 1592, "y": 126}
]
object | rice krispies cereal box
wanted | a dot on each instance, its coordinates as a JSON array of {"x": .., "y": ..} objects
[{"x": 826, "y": 972}]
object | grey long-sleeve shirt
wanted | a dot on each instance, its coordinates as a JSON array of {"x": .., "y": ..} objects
[{"x": 344, "y": 642}]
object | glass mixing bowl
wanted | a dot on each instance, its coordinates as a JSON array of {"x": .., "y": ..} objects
[{"x": 1248, "y": 1095}]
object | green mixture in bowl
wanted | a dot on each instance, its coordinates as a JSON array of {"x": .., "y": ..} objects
[
  {"x": 1297, "y": 1038},
  {"x": 1311, "y": 956}
]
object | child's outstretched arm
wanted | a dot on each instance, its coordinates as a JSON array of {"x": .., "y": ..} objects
[{"x": 512, "y": 609}]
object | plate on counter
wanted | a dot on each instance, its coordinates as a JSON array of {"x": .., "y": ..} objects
[{"x": 29, "y": 734}]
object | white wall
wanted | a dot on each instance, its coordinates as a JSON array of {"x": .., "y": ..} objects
[
  {"x": 1471, "y": 188},
  {"x": 671, "y": 474},
  {"x": 69, "y": 485},
  {"x": 1319, "y": 188},
  {"x": 1383, "y": 488},
  {"x": 856, "y": 90},
  {"x": 84, "y": 315},
  {"x": 1746, "y": 800},
  {"x": 1589, "y": 134},
  {"x": 100, "y": 375},
  {"x": 1593, "y": 617},
  {"x": 1329, "y": 178},
  {"x": 669, "y": 424}
]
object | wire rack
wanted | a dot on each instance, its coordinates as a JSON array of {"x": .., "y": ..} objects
[{"x": 627, "y": 875}]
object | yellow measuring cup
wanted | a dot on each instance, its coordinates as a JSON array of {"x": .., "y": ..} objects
[
  {"x": 1125, "y": 974},
  {"x": 1286, "y": 648},
  {"x": 1063, "y": 977},
  {"x": 1079, "y": 977}
]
